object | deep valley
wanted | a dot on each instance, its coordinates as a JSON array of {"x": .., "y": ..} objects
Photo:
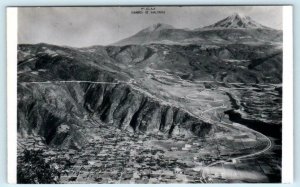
[{"x": 205, "y": 109}]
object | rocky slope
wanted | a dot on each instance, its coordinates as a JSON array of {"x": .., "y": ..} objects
[
  {"x": 132, "y": 86},
  {"x": 59, "y": 111}
]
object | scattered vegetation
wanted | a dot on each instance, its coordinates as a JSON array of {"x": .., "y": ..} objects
[{"x": 32, "y": 169}]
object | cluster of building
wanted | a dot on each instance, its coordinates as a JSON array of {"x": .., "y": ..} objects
[{"x": 115, "y": 156}]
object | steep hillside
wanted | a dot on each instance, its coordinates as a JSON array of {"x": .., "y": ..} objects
[
  {"x": 135, "y": 88},
  {"x": 61, "y": 112}
]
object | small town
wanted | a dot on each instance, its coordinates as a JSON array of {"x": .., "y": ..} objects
[{"x": 116, "y": 156}]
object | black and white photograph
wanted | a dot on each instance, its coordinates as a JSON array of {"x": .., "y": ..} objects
[{"x": 149, "y": 95}]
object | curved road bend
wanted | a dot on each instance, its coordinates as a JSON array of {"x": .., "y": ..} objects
[{"x": 243, "y": 156}]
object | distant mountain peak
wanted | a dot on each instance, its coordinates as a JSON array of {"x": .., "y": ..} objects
[
  {"x": 242, "y": 30},
  {"x": 157, "y": 27},
  {"x": 238, "y": 15},
  {"x": 236, "y": 20}
]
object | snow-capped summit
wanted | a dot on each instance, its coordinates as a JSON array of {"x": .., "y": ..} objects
[
  {"x": 235, "y": 28},
  {"x": 237, "y": 21}
]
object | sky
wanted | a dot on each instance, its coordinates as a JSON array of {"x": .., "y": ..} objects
[{"x": 87, "y": 26}]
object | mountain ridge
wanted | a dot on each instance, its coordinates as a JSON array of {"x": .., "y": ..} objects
[
  {"x": 237, "y": 21},
  {"x": 232, "y": 29}
]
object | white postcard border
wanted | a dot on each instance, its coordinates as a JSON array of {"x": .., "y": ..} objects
[
  {"x": 287, "y": 105},
  {"x": 12, "y": 41}
]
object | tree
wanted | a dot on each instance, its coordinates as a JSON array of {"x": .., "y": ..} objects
[{"x": 32, "y": 169}]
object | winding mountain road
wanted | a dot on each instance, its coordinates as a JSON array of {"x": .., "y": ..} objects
[{"x": 267, "y": 148}]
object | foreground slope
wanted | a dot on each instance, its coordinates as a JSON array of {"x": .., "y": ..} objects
[{"x": 179, "y": 103}]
